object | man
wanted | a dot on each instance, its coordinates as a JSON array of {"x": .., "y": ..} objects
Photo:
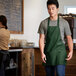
[{"x": 51, "y": 41}]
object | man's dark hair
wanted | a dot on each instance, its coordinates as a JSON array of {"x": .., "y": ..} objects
[
  {"x": 3, "y": 20},
  {"x": 55, "y": 2}
]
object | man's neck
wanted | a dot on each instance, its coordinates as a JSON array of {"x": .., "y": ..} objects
[{"x": 54, "y": 18}]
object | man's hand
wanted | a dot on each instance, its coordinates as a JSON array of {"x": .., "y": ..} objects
[
  {"x": 43, "y": 57},
  {"x": 70, "y": 54}
]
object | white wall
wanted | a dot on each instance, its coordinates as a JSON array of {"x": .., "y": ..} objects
[
  {"x": 34, "y": 12},
  {"x": 63, "y": 3}
]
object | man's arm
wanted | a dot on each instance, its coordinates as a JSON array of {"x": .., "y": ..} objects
[
  {"x": 70, "y": 45},
  {"x": 41, "y": 45}
]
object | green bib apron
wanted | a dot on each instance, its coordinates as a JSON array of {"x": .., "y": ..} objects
[{"x": 54, "y": 47}]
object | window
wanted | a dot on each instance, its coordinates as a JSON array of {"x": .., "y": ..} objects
[{"x": 70, "y": 9}]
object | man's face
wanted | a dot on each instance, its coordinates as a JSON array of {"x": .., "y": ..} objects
[{"x": 52, "y": 10}]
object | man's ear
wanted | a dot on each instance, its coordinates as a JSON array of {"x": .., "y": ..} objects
[{"x": 58, "y": 9}]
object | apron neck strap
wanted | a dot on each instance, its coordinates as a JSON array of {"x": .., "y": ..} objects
[{"x": 58, "y": 21}]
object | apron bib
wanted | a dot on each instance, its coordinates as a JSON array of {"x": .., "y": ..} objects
[{"x": 54, "y": 49}]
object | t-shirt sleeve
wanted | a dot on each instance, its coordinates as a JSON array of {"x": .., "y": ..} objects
[
  {"x": 41, "y": 28},
  {"x": 67, "y": 29}
]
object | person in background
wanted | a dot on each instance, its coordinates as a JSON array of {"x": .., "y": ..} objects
[
  {"x": 51, "y": 41},
  {"x": 4, "y": 40}
]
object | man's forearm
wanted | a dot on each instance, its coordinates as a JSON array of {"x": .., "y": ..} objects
[
  {"x": 41, "y": 45},
  {"x": 70, "y": 44}
]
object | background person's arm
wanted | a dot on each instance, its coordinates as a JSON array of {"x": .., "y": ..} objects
[
  {"x": 70, "y": 45},
  {"x": 41, "y": 45}
]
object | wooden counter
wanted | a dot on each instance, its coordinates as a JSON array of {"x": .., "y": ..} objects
[
  {"x": 30, "y": 63},
  {"x": 25, "y": 61}
]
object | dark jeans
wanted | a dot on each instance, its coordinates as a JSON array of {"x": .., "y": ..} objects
[
  {"x": 4, "y": 61},
  {"x": 50, "y": 70}
]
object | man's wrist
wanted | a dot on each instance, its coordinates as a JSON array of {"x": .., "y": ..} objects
[
  {"x": 42, "y": 53},
  {"x": 71, "y": 51}
]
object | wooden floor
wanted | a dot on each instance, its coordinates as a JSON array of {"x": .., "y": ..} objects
[{"x": 40, "y": 70}]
